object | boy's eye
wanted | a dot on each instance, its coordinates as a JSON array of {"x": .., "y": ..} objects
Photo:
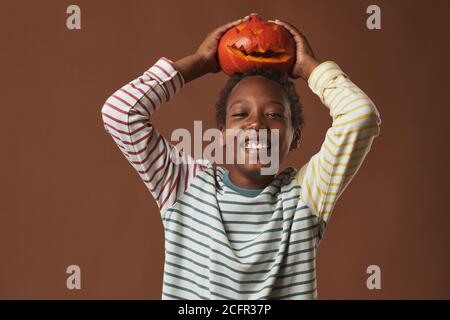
[
  {"x": 274, "y": 115},
  {"x": 239, "y": 114}
]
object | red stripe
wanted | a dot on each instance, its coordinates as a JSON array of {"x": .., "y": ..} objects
[
  {"x": 114, "y": 119},
  {"x": 118, "y": 138},
  {"x": 137, "y": 100},
  {"x": 180, "y": 79},
  {"x": 120, "y": 121},
  {"x": 166, "y": 91},
  {"x": 186, "y": 178},
  {"x": 145, "y": 95},
  {"x": 156, "y": 185},
  {"x": 155, "y": 159},
  {"x": 163, "y": 70},
  {"x": 168, "y": 61},
  {"x": 121, "y": 100},
  {"x": 124, "y": 132},
  {"x": 151, "y": 164},
  {"x": 164, "y": 185},
  {"x": 168, "y": 75},
  {"x": 115, "y": 108},
  {"x": 153, "y": 89},
  {"x": 137, "y": 152},
  {"x": 162, "y": 166},
  {"x": 148, "y": 153},
  {"x": 173, "y": 67},
  {"x": 137, "y": 141},
  {"x": 174, "y": 187}
]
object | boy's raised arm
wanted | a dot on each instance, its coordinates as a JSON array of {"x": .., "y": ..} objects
[
  {"x": 126, "y": 114},
  {"x": 356, "y": 122}
]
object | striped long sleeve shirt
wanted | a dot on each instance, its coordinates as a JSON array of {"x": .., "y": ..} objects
[{"x": 226, "y": 242}]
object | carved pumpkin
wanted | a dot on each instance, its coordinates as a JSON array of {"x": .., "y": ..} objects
[{"x": 256, "y": 44}]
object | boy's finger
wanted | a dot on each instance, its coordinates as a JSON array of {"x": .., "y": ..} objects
[
  {"x": 233, "y": 23},
  {"x": 287, "y": 25},
  {"x": 229, "y": 25},
  {"x": 295, "y": 32}
]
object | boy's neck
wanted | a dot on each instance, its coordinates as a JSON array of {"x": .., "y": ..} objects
[{"x": 250, "y": 180}]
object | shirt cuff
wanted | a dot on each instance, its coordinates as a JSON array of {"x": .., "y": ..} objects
[
  {"x": 165, "y": 73},
  {"x": 322, "y": 75}
]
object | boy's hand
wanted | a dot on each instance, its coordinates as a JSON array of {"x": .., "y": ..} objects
[
  {"x": 205, "y": 59},
  {"x": 207, "y": 51},
  {"x": 305, "y": 58}
]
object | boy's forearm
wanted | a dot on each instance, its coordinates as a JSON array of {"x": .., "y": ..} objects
[
  {"x": 191, "y": 67},
  {"x": 306, "y": 67},
  {"x": 349, "y": 106}
]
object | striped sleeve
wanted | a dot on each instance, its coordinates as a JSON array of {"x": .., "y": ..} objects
[
  {"x": 356, "y": 122},
  {"x": 165, "y": 171}
]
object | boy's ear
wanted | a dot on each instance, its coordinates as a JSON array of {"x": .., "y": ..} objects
[{"x": 296, "y": 141}]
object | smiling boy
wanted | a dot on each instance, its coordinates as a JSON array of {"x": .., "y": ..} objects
[{"x": 232, "y": 232}]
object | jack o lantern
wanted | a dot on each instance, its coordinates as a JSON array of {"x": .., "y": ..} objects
[{"x": 256, "y": 44}]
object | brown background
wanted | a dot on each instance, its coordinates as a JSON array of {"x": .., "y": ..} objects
[{"x": 69, "y": 197}]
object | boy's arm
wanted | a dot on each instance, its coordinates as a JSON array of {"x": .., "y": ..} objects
[
  {"x": 126, "y": 115},
  {"x": 165, "y": 171},
  {"x": 356, "y": 122}
]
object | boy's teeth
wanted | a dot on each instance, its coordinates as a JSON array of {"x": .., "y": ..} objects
[{"x": 253, "y": 145}]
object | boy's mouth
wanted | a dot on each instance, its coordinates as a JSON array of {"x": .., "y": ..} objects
[{"x": 252, "y": 144}]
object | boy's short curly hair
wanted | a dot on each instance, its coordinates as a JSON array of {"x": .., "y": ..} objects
[{"x": 286, "y": 84}]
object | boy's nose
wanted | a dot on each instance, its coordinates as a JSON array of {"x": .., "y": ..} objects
[{"x": 256, "y": 122}]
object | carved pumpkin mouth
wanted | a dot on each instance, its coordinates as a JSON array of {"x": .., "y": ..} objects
[
  {"x": 256, "y": 44},
  {"x": 260, "y": 55}
]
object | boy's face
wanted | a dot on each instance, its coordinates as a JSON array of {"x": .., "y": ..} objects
[{"x": 259, "y": 103}]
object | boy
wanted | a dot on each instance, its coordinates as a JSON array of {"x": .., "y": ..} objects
[{"x": 235, "y": 233}]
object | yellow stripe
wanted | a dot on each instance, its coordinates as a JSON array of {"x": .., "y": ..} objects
[
  {"x": 338, "y": 81},
  {"x": 313, "y": 169},
  {"x": 351, "y": 143},
  {"x": 325, "y": 182},
  {"x": 336, "y": 155},
  {"x": 341, "y": 164},
  {"x": 331, "y": 184},
  {"x": 342, "y": 98},
  {"x": 310, "y": 196},
  {"x": 347, "y": 112},
  {"x": 326, "y": 213},
  {"x": 349, "y": 103},
  {"x": 370, "y": 126},
  {"x": 334, "y": 174},
  {"x": 338, "y": 93},
  {"x": 364, "y": 116},
  {"x": 334, "y": 75},
  {"x": 321, "y": 74},
  {"x": 321, "y": 192}
]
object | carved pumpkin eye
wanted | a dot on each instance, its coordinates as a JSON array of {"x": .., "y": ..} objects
[
  {"x": 257, "y": 32},
  {"x": 256, "y": 44},
  {"x": 240, "y": 27}
]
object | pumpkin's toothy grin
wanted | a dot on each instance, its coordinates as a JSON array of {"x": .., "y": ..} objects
[{"x": 257, "y": 55}]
